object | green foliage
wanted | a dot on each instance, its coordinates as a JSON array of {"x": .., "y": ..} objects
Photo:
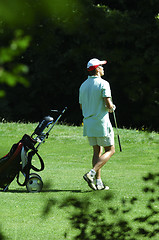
[
  {"x": 12, "y": 72},
  {"x": 65, "y": 35}
]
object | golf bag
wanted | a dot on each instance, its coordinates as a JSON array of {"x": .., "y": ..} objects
[{"x": 19, "y": 158}]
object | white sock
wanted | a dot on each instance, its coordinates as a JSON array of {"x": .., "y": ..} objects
[
  {"x": 99, "y": 181},
  {"x": 92, "y": 173}
]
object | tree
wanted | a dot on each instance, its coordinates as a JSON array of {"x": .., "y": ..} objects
[
  {"x": 12, "y": 72},
  {"x": 66, "y": 36}
]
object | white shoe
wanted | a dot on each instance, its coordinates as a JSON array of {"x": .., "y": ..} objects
[
  {"x": 90, "y": 180},
  {"x": 102, "y": 187}
]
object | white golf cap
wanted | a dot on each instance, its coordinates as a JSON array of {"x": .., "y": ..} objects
[{"x": 94, "y": 63}]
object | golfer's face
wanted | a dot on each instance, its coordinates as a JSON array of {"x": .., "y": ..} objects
[{"x": 101, "y": 70}]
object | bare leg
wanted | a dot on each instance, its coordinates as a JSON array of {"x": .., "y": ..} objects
[
  {"x": 102, "y": 159},
  {"x": 97, "y": 152},
  {"x": 98, "y": 161}
]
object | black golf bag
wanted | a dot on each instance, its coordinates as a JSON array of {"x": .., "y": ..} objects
[{"x": 19, "y": 158}]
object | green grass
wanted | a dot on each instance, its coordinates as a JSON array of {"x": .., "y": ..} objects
[{"x": 67, "y": 157}]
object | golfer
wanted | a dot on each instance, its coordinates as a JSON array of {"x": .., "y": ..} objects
[{"x": 95, "y": 102}]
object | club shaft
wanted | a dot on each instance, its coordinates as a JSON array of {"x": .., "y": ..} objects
[{"x": 117, "y": 131}]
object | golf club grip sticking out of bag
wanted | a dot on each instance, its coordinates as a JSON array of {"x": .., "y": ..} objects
[{"x": 46, "y": 122}]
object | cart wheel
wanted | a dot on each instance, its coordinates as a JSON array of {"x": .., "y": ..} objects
[{"x": 34, "y": 183}]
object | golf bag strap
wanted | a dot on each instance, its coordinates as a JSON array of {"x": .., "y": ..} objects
[
  {"x": 30, "y": 166},
  {"x": 26, "y": 179},
  {"x": 30, "y": 155}
]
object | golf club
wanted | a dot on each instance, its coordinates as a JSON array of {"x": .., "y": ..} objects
[{"x": 117, "y": 131}]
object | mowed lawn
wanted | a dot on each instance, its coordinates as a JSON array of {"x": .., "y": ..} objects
[{"x": 67, "y": 157}]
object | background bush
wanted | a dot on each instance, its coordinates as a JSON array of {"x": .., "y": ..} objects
[{"x": 65, "y": 35}]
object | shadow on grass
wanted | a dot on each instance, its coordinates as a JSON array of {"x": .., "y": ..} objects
[
  {"x": 15, "y": 191},
  {"x": 2, "y": 237},
  {"x": 47, "y": 188},
  {"x": 65, "y": 190},
  {"x": 109, "y": 222},
  {"x": 112, "y": 222},
  {"x": 47, "y": 191}
]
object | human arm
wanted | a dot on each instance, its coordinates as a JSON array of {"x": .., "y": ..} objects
[{"x": 108, "y": 103}]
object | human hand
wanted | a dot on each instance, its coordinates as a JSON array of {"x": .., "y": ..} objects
[{"x": 112, "y": 109}]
